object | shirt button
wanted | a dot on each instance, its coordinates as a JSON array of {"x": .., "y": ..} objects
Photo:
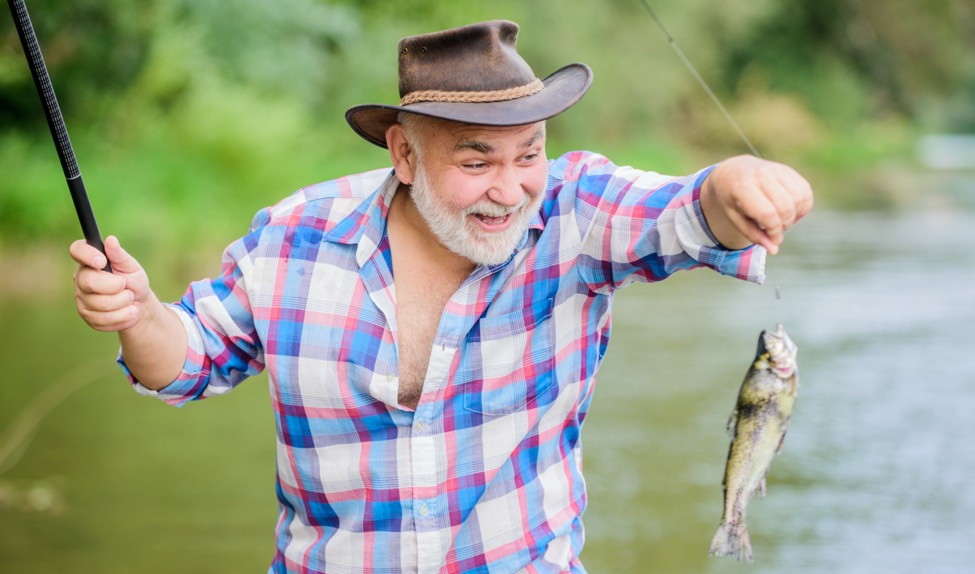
[
  {"x": 424, "y": 510},
  {"x": 389, "y": 378},
  {"x": 418, "y": 426}
]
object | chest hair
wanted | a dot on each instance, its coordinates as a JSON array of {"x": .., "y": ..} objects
[{"x": 418, "y": 313}]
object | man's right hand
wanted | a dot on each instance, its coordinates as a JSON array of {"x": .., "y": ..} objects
[
  {"x": 110, "y": 301},
  {"x": 153, "y": 338}
]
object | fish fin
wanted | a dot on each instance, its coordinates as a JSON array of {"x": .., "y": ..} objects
[
  {"x": 733, "y": 423},
  {"x": 778, "y": 449},
  {"x": 731, "y": 539}
]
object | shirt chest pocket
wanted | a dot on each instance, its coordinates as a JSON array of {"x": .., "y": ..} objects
[{"x": 512, "y": 363}]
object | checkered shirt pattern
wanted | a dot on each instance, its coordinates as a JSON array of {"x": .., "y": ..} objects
[{"x": 486, "y": 474}]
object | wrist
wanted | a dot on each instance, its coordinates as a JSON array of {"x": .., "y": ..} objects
[
  {"x": 150, "y": 315},
  {"x": 154, "y": 348}
]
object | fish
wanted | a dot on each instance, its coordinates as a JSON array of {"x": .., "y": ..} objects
[{"x": 757, "y": 427}]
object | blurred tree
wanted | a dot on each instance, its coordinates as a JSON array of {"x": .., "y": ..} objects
[
  {"x": 282, "y": 47},
  {"x": 99, "y": 49},
  {"x": 892, "y": 56},
  {"x": 96, "y": 48}
]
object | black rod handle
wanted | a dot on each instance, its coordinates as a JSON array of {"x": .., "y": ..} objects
[{"x": 76, "y": 185}]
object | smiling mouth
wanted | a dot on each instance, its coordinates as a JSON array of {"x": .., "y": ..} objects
[{"x": 490, "y": 220}]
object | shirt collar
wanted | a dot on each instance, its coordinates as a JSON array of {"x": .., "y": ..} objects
[{"x": 368, "y": 219}]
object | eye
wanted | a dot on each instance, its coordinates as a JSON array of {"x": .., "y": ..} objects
[{"x": 475, "y": 165}]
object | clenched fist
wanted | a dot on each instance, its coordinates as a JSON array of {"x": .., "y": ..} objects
[
  {"x": 109, "y": 301},
  {"x": 749, "y": 200}
]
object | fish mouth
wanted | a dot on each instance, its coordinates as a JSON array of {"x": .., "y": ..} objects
[{"x": 780, "y": 349}]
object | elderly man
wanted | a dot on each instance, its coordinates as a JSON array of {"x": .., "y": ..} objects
[{"x": 432, "y": 332}]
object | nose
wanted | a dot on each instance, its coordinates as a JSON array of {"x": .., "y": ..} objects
[{"x": 508, "y": 188}]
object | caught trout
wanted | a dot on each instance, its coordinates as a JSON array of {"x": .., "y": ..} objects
[{"x": 757, "y": 428}]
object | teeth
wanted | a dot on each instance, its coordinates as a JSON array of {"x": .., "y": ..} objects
[{"x": 492, "y": 219}]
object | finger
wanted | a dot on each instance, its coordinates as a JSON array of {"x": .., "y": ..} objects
[
  {"x": 784, "y": 207},
  {"x": 110, "y": 320},
  {"x": 753, "y": 232},
  {"x": 85, "y": 254},
  {"x": 759, "y": 218},
  {"x": 799, "y": 191},
  {"x": 121, "y": 261},
  {"x": 90, "y": 280},
  {"x": 107, "y": 303},
  {"x": 805, "y": 200}
]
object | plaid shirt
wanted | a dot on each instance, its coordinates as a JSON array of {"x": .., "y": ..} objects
[{"x": 486, "y": 474}]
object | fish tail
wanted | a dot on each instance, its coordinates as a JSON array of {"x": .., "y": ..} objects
[{"x": 731, "y": 539}]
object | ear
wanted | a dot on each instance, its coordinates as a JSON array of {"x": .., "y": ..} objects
[{"x": 401, "y": 153}]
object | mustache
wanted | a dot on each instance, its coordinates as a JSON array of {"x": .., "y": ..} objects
[{"x": 489, "y": 208}]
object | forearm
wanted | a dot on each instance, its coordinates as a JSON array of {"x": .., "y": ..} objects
[{"x": 154, "y": 349}]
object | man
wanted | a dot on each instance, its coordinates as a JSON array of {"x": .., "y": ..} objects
[{"x": 432, "y": 333}]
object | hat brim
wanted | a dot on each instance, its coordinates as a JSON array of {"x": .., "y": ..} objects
[{"x": 561, "y": 90}]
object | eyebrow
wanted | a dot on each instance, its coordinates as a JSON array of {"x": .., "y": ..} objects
[
  {"x": 475, "y": 145},
  {"x": 486, "y": 148}
]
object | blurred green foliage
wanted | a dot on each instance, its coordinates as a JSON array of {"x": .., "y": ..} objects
[{"x": 188, "y": 116}]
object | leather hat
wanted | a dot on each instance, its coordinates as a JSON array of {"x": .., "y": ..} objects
[{"x": 472, "y": 74}]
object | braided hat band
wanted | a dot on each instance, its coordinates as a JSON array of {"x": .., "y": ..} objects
[{"x": 473, "y": 97}]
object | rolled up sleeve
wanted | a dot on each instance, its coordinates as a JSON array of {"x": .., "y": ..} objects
[
  {"x": 683, "y": 229},
  {"x": 640, "y": 226},
  {"x": 194, "y": 375},
  {"x": 223, "y": 345}
]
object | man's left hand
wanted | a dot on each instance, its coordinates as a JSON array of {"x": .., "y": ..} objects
[{"x": 748, "y": 200}]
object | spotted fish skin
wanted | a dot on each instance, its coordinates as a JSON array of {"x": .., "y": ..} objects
[{"x": 757, "y": 427}]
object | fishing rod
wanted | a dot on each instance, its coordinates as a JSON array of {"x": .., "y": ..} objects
[{"x": 42, "y": 81}]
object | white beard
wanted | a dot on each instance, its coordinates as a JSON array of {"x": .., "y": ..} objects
[{"x": 454, "y": 232}]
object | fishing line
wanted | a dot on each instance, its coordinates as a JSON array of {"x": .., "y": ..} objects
[
  {"x": 707, "y": 89},
  {"x": 700, "y": 80}
]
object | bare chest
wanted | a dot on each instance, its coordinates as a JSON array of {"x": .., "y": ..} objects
[
  {"x": 419, "y": 305},
  {"x": 426, "y": 276}
]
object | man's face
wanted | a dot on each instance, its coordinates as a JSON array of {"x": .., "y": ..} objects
[{"x": 478, "y": 187}]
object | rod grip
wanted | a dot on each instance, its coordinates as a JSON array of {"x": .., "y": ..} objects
[{"x": 76, "y": 185}]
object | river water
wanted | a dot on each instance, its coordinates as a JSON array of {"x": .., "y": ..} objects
[
  {"x": 877, "y": 467},
  {"x": 875, "y": 475}
]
